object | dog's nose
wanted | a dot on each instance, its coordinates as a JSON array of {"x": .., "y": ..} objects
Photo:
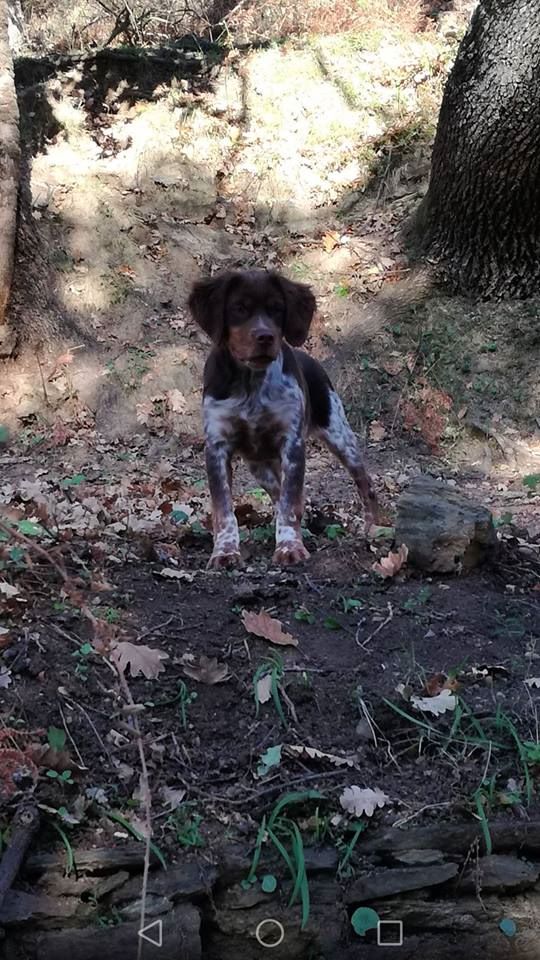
[{"x": 264, "y": 339}]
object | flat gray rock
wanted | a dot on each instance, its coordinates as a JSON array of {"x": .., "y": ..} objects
[
  {"x": 444, "y": 532},
  {"x": 500, "y": 874},
  {"x": 389, "y": 882}
]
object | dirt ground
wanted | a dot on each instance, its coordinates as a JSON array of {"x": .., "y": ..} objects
[{"x": 101, "y": 467}]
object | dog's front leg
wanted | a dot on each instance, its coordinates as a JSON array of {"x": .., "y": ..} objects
[
  {"x": 290, "y": 506},
  {"x": 226, "y": 552}
]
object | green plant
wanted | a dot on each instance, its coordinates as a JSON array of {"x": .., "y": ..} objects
[
  {"x": 185, "y": 824},
  {"x": 334, "y": 530},
  {"x": 346, "y": 850},
  {"x": 304, "y": 615},
  {"x": 64, "y": 777},
  {"x": 273, "y": 667},
  {"x": 350, "y": 604},
  {"x": 285, "y": 836},
  {"x": 185, "y": 698},
  {"x": 70, "y": 856},
  {"x": 83, "y": 666},
  {"x": 118, "y": 818}
]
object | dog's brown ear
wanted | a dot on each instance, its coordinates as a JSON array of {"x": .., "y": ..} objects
[
  {"x": 301, "y": 306},
  {"x": 207, "y": 304}
]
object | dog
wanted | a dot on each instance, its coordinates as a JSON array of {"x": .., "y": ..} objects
[{"x": 262, "y": 397}]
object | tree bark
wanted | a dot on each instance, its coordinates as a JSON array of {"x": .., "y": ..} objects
[
  {"x": 480, "y": 219},
  {"x": 9, "y": 168}
]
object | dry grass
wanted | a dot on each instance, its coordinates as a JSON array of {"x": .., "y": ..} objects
[{"x": 62, "y": 25}]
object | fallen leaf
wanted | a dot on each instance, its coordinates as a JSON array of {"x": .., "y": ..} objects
[
  {"x": 176, "y": 400},
  {"x": 5, "y": 678},
  {"x": 362, "y": 802},
  {"x": 263, "y": 625},
  {"x": 139, "y": 658},
  {"x": 445, "y": 700},
  {"x": 331, "y": 240},
  {"x": 377, "y": 431},
  {"x": 533, "y": 682},
  {"x": 270, "y": 758},
  {"x": 312, "y": 753},
  {"x": 263, "y": 688},
  {"x": 8, "y": 589},
  {"x": 208, "y": 671},
  {"x": 393, "y": 366},
  {"x": 440, "y": 682},
  {"x": 126, "y": 271},
  {"x": 177, "y": 574},
  {"x": 392, "y": 564},
  {"x": 172, "y": 798}
]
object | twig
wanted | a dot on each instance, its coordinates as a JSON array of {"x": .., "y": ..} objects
[
  {"x": 70, "y": 738},
  {"x": 147, "y": 801},
  {"x": 378, "y": 630}
]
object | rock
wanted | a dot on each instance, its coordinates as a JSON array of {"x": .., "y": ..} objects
[
  {"x": 414, "y": 858},
  {"x": 444, "y": 532},
  {"x": 177, "y": 883},
  {"x": 18, "y": 906},
  {"x": 499, "y": 874},
  {"x": 388, "y": 882},
  {"x": 321, "y": 859},
  {"x": 153, "y": 907},
  {"x": 180, "y": 941}
]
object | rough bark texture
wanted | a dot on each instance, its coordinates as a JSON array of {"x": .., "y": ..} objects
[
  {"x": 481, "y": 216},
  {"x": 9, "y": 165}
]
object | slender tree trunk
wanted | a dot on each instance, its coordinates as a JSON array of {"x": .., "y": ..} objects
[
  {"x": 9, "y": 172},
  {"x": 480, "y": 219}
]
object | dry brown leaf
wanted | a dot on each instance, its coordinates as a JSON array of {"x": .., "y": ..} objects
[
  {"x": 263, "y": 625},
  {"x": 445, "y": 700},
  {"x": 392, "y": 564},
  {"x": 176, "y": 400},
  {"x": 440, "y": 682},
  {"x": 139, "y": 658},
  {"x": 377, "y": 431},
  {"x": 207, "y": 670},
  {"x": 311, "y": 753},
  {"x": 362, "y": 802},
  {"x": 331, "y": 240},
  {"x": 394, "y": 365},
  {"x": 263, "y": 688}
]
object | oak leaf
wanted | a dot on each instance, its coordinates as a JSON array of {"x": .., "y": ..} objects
[
  {"x": 362, "y": 802},
  {"x": 139, "y": 658},
  {"x": 263, "y": 625}
]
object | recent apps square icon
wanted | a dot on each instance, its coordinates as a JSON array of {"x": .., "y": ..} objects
[{"x": 390, "y": 933}]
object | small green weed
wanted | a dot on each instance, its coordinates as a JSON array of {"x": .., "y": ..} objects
[
  {"x": 304, "y": 615},
  {"x": 82, "y": 655},
  {"x": 185, "y": 823},
  {"x": 283, "y": 833},
  {"x": 273, "y": 668}
]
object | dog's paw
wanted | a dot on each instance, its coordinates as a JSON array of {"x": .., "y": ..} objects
[
  {"x": 290, "y": 553},
  {"x": 224, "y": 560}
]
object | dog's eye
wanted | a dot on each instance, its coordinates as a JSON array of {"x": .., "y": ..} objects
[
  {"x": 274, "y": 309},
  {"x": 241, "y": 308}
]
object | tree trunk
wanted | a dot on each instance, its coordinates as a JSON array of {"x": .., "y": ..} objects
[
  {"x": 9, "y": 171},
  {"x": 480, "y": 219}
]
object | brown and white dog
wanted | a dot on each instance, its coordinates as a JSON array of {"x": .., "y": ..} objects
[{"x": 261, "y": 400}]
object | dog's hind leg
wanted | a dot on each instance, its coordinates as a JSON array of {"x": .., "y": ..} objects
[{"x": 340, "y": 439}]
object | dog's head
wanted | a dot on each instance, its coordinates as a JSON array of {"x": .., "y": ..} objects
[{"x": 251, "y": 312}]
